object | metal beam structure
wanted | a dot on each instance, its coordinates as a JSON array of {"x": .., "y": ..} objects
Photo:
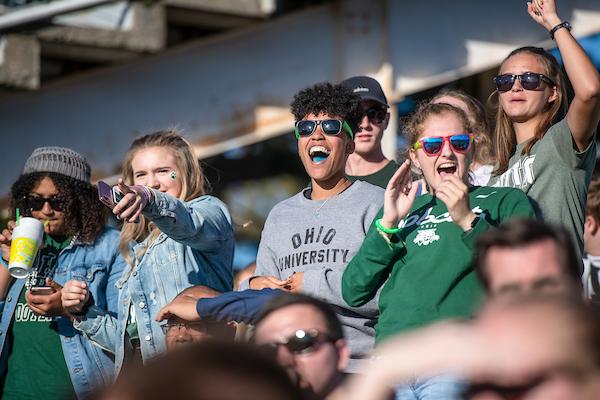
[{"x": 234, "y": 89}]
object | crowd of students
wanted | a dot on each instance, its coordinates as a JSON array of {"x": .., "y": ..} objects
[{"x": 457, "y": 273}]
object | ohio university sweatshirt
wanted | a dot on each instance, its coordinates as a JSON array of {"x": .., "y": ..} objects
[{"x": 319, "y": 238}]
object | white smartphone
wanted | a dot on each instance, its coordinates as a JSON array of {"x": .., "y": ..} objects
[{"x": 41, "y": 290}]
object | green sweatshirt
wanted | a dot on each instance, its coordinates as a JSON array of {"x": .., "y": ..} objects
[{"x": 426, "y": 269}]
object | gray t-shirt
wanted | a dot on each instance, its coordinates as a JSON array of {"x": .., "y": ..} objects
[
  {"x": 555, "y": 175},
  {"x": 319, "y": 238}
]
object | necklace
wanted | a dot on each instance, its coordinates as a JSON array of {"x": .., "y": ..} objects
[{"x": 316, "y": 213}]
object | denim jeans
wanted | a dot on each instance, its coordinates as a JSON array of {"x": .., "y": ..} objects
[{"x": 439, "y": 387}]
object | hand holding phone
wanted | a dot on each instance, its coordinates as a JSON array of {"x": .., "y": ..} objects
[{"x": 43, "y": 290}]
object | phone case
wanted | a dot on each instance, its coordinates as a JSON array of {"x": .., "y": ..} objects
[{"x": 105, "y": 194}]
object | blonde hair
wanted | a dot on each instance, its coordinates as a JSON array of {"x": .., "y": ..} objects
[
  {"x": 483, "y": 152},
  {"x": 504, "y": 134},
  {"x": 192, "y": 182},
  {"x": 413, "y": 126}
]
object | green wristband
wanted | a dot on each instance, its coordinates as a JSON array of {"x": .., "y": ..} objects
[{"x": 389, "y": 231}]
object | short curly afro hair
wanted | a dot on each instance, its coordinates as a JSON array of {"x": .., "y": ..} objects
[{"x": 326, "y": 98}]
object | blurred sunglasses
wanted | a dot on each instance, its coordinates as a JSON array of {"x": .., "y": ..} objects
[
  {"x": 502, "y": 392},
  {"x": 331, "y": 127},
  {"x": 36, "y": 203},
  {"x": 433, "y": 145},
  {"x": 528, "y": 80},
  {"x": 301, "y": 342},
  {"x": 376, "y": 114},
  {"x": 198, "y": 326}
]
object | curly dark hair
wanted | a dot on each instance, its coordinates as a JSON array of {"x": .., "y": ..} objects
[
  {"x": 335, "y": 100},
  {"x": 84, "y": 215}
]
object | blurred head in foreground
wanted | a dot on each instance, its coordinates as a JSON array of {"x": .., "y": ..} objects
[
  {"x": 206, "y": 371},
  {"x": 542, "y": 346}
]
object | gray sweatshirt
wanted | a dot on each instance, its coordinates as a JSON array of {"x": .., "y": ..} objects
[{"x": 319, "y": 238}]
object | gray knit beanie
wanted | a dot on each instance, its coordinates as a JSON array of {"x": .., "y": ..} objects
[{"x": 59, "y": 160}]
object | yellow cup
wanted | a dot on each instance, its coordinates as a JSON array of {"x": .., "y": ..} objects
[{"x": 26, "y": 240}]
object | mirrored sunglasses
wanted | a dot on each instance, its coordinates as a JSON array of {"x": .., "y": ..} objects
[
  {"x": 433, "y": 145},
  {"x": 528, "y": 80},
  {"x": 36, "y": 203},
  {"x": 331, "y": 127},
  {"x": 301, "y": 342}
]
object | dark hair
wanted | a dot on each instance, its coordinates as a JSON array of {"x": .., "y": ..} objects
[
  {"x": 206, "y": 371},
  {"x": 334, "y": 100},
  {"x": 84, "y": 215},
  {"x": 504, "y": 135},
  {"x": 593, "y": 200},
  {"x": 334, "y": 326},
  {"x": 520, "y": 232}
]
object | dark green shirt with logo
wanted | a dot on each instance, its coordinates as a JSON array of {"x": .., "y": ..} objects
[
  {"x": 426, "y": 269},
  {"x": 36, "y": 365}
]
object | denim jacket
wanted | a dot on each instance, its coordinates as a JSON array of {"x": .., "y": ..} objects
[
  {"x": 195, "y": 247},
  {"x": 100, "y": 265}
]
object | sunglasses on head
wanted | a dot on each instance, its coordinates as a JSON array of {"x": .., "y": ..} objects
[
  {"x": 301, "y": 342},
  {"x": 433, "y": 145},
  {"x": 331, "y": 127},
  {"x": 376, "y": 114},
  {"x": 36, "y": 203},
  {"x": 528, "y": 80}
]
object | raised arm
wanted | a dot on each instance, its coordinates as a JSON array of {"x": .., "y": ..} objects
[{"x": 584, "y": 110}]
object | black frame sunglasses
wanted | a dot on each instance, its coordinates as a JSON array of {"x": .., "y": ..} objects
[
  {"x": 36, "y": 203},
  {"x": 528, "y": 80},
  {"x": 301, "y": 342},
  {"x": 376, "y": 114}
]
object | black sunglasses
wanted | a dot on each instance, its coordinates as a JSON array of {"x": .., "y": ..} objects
[
  {"x": 528, "y": 80},
  {"x": 376, "y": 114},
  {"x": 36, "y": 203},
  {"x": 301, "y": 342}
]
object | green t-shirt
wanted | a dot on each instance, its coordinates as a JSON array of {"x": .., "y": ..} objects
[
  {"x": 36, "y": 367},
  {"x": 555, "y": 176},
  {"x": 426, "y": 269},
  {"x": 379, "y": 178}
]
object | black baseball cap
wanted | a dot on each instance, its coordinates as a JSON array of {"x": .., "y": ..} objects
[{"x": 367, "y": 88}]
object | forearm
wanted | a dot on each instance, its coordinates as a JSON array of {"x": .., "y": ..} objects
[
  {"x": 581, "y": 71},
  {"x": 369, "y": 268},
  {"x": 100, "y": 327},
  {"x": 241, "y": 306},
  {"x": 202, "y": 223}
]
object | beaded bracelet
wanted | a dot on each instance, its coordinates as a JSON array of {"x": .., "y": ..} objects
[{"x": 389, "y": 231}]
